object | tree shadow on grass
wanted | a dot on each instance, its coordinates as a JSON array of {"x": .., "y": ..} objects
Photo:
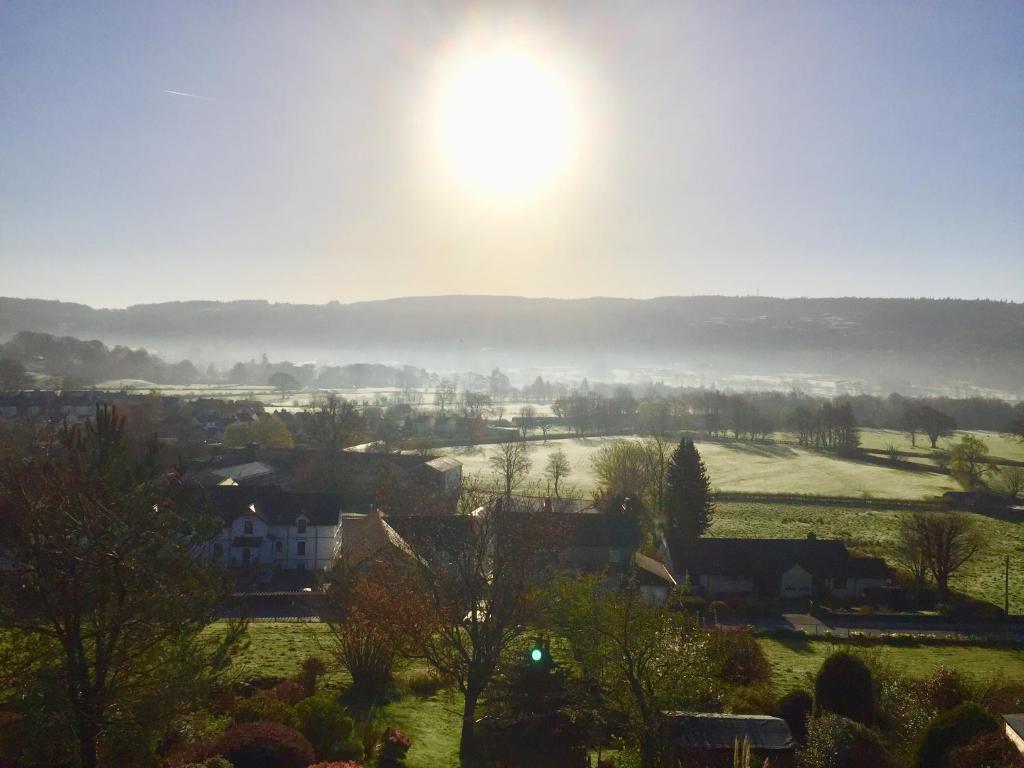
[
  {"x": 766, "y": 450},
  {"x": 797, "y": 642}
]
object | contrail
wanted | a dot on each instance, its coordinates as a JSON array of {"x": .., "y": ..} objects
[{"x": 188, "y": 95}]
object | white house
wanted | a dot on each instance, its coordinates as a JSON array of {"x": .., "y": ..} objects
[{"x": 270, "y": 529}]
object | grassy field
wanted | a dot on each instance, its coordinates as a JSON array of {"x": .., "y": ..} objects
[
  {"x": 873, "y": 531},
  {"x": 742, "y": 467},
  {"x": 795, "y": 660},
  {"x": 1000, "y": 446}
]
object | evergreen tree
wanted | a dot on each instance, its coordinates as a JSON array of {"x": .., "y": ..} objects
[{"x": 688, "y": 504}]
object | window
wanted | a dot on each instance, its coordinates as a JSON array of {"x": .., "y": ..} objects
[
  {"x": 301, "y": 525},
  {"x": 278, "y": 547},
  {"x": 218, "y": 551},
  {"x": 247, "y": 526},
  {"x": 300, "y": 548}
]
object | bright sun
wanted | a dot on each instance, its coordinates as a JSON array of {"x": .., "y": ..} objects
[{"x": 506, "y": 120}]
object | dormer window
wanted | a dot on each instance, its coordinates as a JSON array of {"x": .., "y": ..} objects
[
  {"x": 301, "y": 525},
  {"x": 247, "y": 526}
]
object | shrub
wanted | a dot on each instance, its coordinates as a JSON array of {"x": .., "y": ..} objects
[
  {"x": 993, "y": 750},
  {"x": 844, "y": 686},
  {"x": 313, "y": 668},
  {"x": 739, "y": 658},
  {"x": 834, "y": 741},
  {"x": 945, "y": 688},
  {"x": 324, "y": 722},
  {"x": 393, "y": 748},
  {"x": 424, "y": 683},
  {"x": 263, "y": 707},
  {"x": 217, "y": 762},
  {"x": 795, "y": 707},
  {"x": 342, "y": 764},
  {"x": 265, "y": 745},
  {"x": 289, "y": 691},
  {"x": 954, "y": 728}
]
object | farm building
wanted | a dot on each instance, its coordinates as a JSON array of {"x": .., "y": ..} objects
[{"x": 770, "y": 568}]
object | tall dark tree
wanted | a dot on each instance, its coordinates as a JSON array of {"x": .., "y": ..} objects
[
  {"x": 105, "y": 594},
  {"x": 13, "y": 376},
  {"x": 688, "y": 503}
]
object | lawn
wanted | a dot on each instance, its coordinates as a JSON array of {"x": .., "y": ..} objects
[
  {"x": 1000, "y": 446},
  {"x": 276, "y": 649},
  {"x": 741, "y": 467},
  {"x": 872, "y": 530},
  {"x": 795, "y": 660}
]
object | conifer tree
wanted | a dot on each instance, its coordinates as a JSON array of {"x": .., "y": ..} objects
[{"x": 688, "y": 504}]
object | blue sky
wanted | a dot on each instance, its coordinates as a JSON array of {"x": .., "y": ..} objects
[{"x": 786, "y": 148}]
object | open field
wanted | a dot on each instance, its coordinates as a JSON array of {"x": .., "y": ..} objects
[
  {"x": 872, "y": 531},
  {"x": 1000, "y": 446},
  {"x": 742, "y": 467},
  {"x": 795, "y": 660}
]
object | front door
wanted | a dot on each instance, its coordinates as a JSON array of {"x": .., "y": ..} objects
[{"x": 246, "y": 556}]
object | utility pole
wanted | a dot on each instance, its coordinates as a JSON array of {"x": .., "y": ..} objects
[{"x": 1006, "y": 588}]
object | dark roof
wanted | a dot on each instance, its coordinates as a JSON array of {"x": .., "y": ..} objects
[
  {"x": 1016, "y": 723},
  {"x": 600, "y": 529},
  {"x": 714, "y": 731},
  {"x": 868, "y": 568},
  {"x": 756, "y": 557},
  {"x": 273, "y": 504},
  {"x": 430, "y": 530},
  {"x": 651, "y": 572}
]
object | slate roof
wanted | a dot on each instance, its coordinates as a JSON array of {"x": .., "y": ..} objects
[
  {"x": 868, "y": 568},
  {"x": 1016, "y": 723},
  {"x": 757, "y": 557},
  {"x": 367, "y": 537},
  {"x": 652, "y": 572},
  {"x": 273, "y": 504},
  {"x": 443, "y": 463},
  {"x": 691, "y": 730}
]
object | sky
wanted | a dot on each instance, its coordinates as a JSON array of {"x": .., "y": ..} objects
[{"x": 166, "y": 151}]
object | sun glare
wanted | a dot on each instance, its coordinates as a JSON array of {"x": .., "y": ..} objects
[{"x": 506, "y": 120}]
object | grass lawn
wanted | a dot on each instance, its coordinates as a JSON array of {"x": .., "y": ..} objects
[
  {"x": 741, "y": 467},
  {"x": 872, "y": 531},
  {"x": 796, "y": 660},
  {"x": 1000, "y": 447}
]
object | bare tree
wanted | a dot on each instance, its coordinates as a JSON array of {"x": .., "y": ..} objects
[
  {"x": 511, "y": 463},
  {"x": 478, "y": 572},
  {"x": 946, "y": 541},
  {"x": 526, "y": 416},
  {"x": 558, "y": 468},
  {"x": 444, "y": 395},
  {"x": 334, "y": 425},
  {"x": 1011, "y": 481},
  {"x": 911, "y": 550}
]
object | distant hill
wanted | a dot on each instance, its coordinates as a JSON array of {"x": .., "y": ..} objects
[{"x": 891, "y": 343}]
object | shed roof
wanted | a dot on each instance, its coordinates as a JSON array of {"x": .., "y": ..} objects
[{"x": 714, "y": 731}]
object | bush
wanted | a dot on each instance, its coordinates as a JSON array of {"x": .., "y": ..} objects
[
  {"x": 343, "y": 764},
  {"x": 844, "y": 686},
  {"x": 289, "y": 691},
  {"x": 263, "y": 707},
  {"x": 993, "y": 750},
  {"x": 424, "y": 683},
  {"x": 217, "y": 762},
  {"x": 795, "y": 707},
  {"x": 265, "y": 745},
  {"x": 945, "y": 689},
  {"x": 955, "y": 728},
  {"x": 313, "y": 668},
  {"x": 328, "y": 727},
  {"x": 393, "y": 748},
  {"x": 834, "y": 741},
  {"x": 739, "y": 658}
]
